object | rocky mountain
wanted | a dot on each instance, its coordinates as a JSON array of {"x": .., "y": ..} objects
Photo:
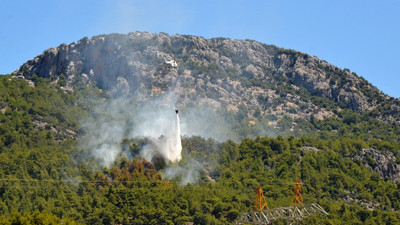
[
  {"x": 73, "y": 138},
  {"x": 263, "y": 80}
]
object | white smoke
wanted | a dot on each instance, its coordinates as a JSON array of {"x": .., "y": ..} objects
[
  {"x": 154, "y": 126},
  {"x": 168, "y": 145},
  {"x": 104, "y": 131},
  {"x": 188, "y": 173},
  {"x": 113, "y": 121}
]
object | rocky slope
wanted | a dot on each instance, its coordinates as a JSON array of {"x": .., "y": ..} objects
[
  {"x": 233, "y": 74},
  {"x": 382, "y": 162}
]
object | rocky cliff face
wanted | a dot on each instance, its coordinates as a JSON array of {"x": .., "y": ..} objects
[
  {"x": 264, "y": 79},
  {"x": 381, "y": 162}
]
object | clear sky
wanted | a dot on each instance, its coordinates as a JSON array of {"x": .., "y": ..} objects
[{"x": 362, "y": 35}]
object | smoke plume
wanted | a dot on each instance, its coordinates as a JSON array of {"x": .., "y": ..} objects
[
  {"x": 121, "y": 120},
  {"x": 188, "y": 173},
  {"x": 168, "y": 146},
  {"x": 115, "y": 120}
]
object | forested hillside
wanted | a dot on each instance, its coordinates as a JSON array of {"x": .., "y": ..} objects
[
  {"x": 44, "y": 181},
  {"x": 78, "y": 122}
]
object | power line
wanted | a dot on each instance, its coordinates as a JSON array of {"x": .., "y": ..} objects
[
  {"x": 142, "y": 188},
  {"x": 152, "y": 182},
  {"x": 158, "y": 185}
]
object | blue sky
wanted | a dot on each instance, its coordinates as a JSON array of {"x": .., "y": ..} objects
[{"x": 362, "y": 35}]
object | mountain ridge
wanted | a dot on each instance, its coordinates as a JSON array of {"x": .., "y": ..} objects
[{"x": 221, "y": 72}]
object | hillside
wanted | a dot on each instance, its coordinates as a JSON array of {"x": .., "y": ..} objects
[
  {"x": 265, "y": 80},
  {"x": 75, "y": 121}
]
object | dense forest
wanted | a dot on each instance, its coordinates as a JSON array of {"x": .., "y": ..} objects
[{"x": 43, "y": 179}]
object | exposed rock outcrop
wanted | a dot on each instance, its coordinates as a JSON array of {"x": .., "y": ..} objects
[{"x": 384, "y": 163}]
